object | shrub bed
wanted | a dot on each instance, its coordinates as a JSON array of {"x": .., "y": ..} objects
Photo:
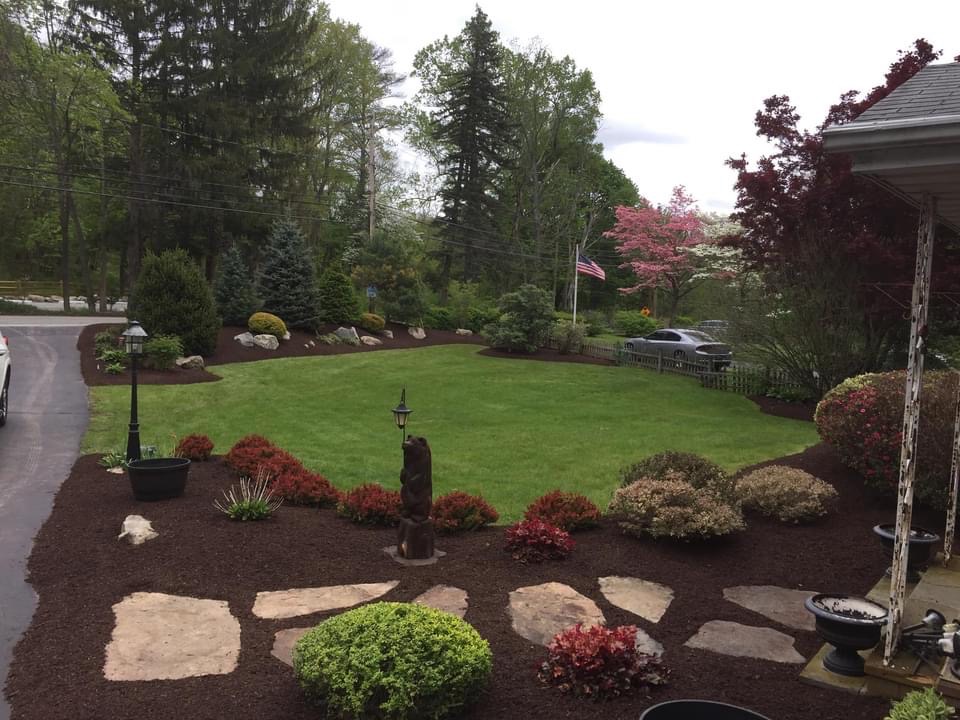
[
  {"x": 370, "y": 504},
  {"x": 459, "y": 511},
  {"x": 786, "y": 493},
  {"x": 565, "y": 510},
  {"x": 196, "y": 448},
  {"x": 536, "y": 541},
  {"x": 392, "y": 661}
]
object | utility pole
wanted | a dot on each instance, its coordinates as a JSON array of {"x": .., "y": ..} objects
[{"x": 371, "y": 178}]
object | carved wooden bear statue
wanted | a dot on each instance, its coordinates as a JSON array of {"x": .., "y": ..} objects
[{"x": 415, "y": 534}]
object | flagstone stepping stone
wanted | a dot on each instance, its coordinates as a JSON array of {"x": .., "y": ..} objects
[
  {"x": 445, "y": 597},
  {"x": 539, "y": 612},
  {"x": 284, "y": 641},
  {"x": 730, "y": 638},
  {"x": 647, "y": 599},
  {"x": 646, "y": 644},
  {"x": 279, "y": 604},
  {"x": 169, "y": 637},
  {"x": 781, "y": 605}
]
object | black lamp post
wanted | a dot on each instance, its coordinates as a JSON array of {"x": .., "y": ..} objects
[
  {"x": 400, "y": 414},
  {"x": 133, "y": 339}
]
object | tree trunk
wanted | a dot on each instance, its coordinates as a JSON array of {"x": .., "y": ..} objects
[
  {"x": 85, "y": 275},
  {"x": 64, "y": 239}
]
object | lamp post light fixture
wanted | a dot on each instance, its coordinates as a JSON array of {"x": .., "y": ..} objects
[
  {"x": 400, "y": 414},
  {"x": 133, "y": 339}
]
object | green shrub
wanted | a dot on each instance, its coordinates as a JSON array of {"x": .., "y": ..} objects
[
  {"x": 863, "y": 419},
  {"x": 111, "y": 357},
  {"x": 161, "y": 352},
  {"x": 114, "y": 368},
  {"x": 329, "y": 339},
  {"x": 407, "y": 303},
  {"x": 672, "y": 507},
  {"x": 439, "y": 318},
  {"x": 338, "y": 301},
  {"x": 525, "y": 319},
  {"x": 920, "y": 705},
  {"x": 371, "y": 322},
  {"x": 234, "y": 291},
  {"x": 392, "y": 661},
  {"x": 171, "y": 297},
  {"x": 594, "y": 323},
  {"x": 633, "y": 323},
  {"x": 684, "y": 321},
  {"x": 480, "y": 316},
  {"x": 786, "y": 493},
  {"x": 700, "y": 472},
  {"x": 463, "y": 298},
  {"x": 108, "y": 339},
  {"x": 287, "y": 284},
  {"x": 264, "y": 323},
  {"x": 568, "y": 336}
]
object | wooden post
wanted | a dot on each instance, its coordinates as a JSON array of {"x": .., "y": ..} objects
[
  {"x": 954, "y": 483},
  {"x": 911, "y": 421}
]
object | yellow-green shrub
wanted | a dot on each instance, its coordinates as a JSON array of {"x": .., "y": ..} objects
[
  {"x": 263, "y": 323},
  {"x": 786, "y": 493},
  {"x": 371, "y": 322}
]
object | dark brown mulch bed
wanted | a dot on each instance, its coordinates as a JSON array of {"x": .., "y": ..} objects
[
  {"x": 547, "y": 355},
  {"x": 230, "y": 351},
  {"x": 80, "y": 570},
  {"x": 782, "y": 408}
]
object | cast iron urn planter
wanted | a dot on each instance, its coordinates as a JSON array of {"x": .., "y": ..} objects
[
  {"x": 698, "y": 710},
  {"x": 921, "y": 545},
  {"x": 158, "y": 478},
  {"x": 849, "y": 624}
]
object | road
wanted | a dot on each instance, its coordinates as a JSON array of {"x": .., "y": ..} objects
[{"x": 38, "y": 446}]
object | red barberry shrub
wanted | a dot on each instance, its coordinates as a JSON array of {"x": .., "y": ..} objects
[
  {"x": 565, "y": 510},
  {"x": 196, "y": 448},
  {"x": 302, "y": 487},
  {"x": 536, "y": 541},
  {"x": 458, "y": 511},
  {"x": 249, "y": 453},
  {"x": 863, "y": 419},
  {"x": 289, "y": 479},
  {"x": 370, "y": 504},
  {"x": 600, "y": 662}
]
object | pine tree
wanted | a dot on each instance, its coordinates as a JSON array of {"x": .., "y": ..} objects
[
  {"x": 287, "y": 284},
  {"x": 234, "y": 292},
  {"x": 338, "y": 302}
]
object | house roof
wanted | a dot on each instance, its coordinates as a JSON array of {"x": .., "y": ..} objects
[{"x": 909, "y": 142}]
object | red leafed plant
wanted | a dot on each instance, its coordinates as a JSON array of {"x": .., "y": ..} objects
[
  {"x": 536, "y": 541},
  {"x": 249, "y": 453},
  {"x": 600, "y": 662},
  {"x": 194, "y": 447},
  {"x": 458, "y": 511},
  {"x": 370, "y": 504},
  {"x": 290, "y": 480},
  {"x": 567, "y": 511},
  {"x": 302, "y": 487}
]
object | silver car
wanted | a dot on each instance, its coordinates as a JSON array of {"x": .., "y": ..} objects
[
  {"x": 683, "y": 345},
  {"x": 4, "y": 378}
]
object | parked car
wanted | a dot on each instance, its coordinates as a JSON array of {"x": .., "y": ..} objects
[
  {"x": 683, "y": 345},
  {"x": 5, "y": 375}
]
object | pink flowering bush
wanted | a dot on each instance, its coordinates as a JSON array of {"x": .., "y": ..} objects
[{"x": 863, "y": 419}]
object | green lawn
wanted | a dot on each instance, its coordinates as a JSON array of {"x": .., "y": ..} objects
[{"x": 509, "y": 429}]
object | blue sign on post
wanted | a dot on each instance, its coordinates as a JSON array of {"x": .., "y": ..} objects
[{"x": 371, "y": 291}]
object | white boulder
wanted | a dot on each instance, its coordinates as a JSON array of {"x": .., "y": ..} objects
[
  {"x": 245, "y": 339},
  {"x": 137, "y": 530},
  {"x": 267, "y": 342},
  {"x": 370, "y": 340},
  {"x": 417, "y": 333},
  {"x": 464, "y": 332},
  {"x": 193, "y": 362},
  {"x": 348, "y": 335},
  {"x": 388, "y": 334}
]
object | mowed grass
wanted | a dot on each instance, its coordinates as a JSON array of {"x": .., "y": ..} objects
[{"x": 509, "y": 429}]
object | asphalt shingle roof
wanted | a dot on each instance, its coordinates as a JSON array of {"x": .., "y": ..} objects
[{"x": 932, "y": 92}]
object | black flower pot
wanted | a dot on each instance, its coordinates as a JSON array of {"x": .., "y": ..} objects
[
  {"x": 921, "y": 546},
  {"x": 698, "y": 710},
  {"x": 849, "y": 624},
  {"x": 158, "y": 478}
]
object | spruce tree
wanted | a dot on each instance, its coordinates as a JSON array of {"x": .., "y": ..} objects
[
  {"x": 287, "y": 284},
  {"x": 338, "y": 302},
  {"x": 234, "y": 292}
]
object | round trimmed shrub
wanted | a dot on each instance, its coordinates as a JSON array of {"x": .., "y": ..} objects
[
  {"x": 370, "y": 504},
  {"x": 161, "y": 352},
  {"x": 565, "y": 510},
  {"x": 536, "y": 541},
  {"x": 786, "y": 493},
  {"x": 196, "y": 448},
  {"x": 633, "y": 323},
  {"x": 372, "y": 322},
  {"x": 264, "y": 323},
  {"x": 695, "y": 469},
  {"x": 863, "y": 419},
  {"x": 458, "y": 511},
  {"x": 392, "y": 661}
]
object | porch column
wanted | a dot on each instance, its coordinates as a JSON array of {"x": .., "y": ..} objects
[{"x": 954, "y": 483}]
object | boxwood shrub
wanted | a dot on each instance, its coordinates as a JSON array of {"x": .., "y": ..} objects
[{"x": 264, "y": 323}]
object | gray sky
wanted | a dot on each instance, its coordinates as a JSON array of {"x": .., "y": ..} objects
[{"x": 681, "y": 81}]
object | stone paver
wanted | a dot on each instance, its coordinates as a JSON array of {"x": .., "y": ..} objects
[
  {"x": 646, "y": 644},
  {"x": 539, "y": 612},
  {"x": 779, "y": 604},
  {"x": 445, "y": 597},
  {"x": 730, "y": 638},
  {"x": 647, "y": 599},
  {"x": 280, "y": 604},
  {"x": 284, "y": 641},
  {"x": 169, "y": 637}
]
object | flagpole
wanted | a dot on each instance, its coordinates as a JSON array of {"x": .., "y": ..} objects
[{"x": 576, "y": 275}]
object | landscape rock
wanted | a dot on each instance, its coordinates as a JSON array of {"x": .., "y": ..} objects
[
  {"x": 37, "y": 298},
  {"x": 450, "y": 599},
  {"x": 267, "y": 342},
  {"x": 464, "y": 332},
  {"x": 646, "y": 644},
  {"x": 311, "y": 343},
  {"x": 388, "y": 334},
  {"x": 647, "y": 599},
  {"x": 170, "y": 637},
  {"x": 417, "y": 333},
  {"x": 730, "y": 638},
  {"x": 137, "y": 529},
  {"x": 781, "y": 605},
  {"x": 286, "y": 335},
  {"x": 193, "y": 362},
  {"x": 348, "y": 335},
  {"x": 370, "y": 340},
  {"x": 284, "y": 641},
  {"x": 539, "y": 612},
  {"x": 245, "y": 339},
  {"x": 305, "y": 601}
]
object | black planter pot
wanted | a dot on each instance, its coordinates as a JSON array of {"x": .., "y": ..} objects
[
  {"x": 922, "y": 543},
  {"x": 849, "y": 624},
  {"x": 158, "y": 478},
  {"x": 698, "y": 710}
]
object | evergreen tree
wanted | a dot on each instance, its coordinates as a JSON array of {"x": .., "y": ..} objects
[
  {"x": 287, "y": 284},
  {"x": 338, "y": 302},
  {"x": 234, "y": 292}
]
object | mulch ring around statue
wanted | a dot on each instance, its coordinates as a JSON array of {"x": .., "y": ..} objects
[
  {"x": 100, "y": 599},
  {"x": 300, "y": 344}
]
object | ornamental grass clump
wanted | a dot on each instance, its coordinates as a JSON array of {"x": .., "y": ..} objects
[
  {"x": 392, "y": 661},
  {"x": 459, "y": 511},
  {"x": 370, "y": 504},
  {"x": 565, "y": 510},
  {"x": 697, "y": 470},
  {"x": 536, "y": 541},
  {"x": 600, "y": 662},
  {"x": 786, "y": 493},
  {"x": 249, "y": 500}
]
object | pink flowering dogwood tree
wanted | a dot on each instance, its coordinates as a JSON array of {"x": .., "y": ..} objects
[{"x": 656, "y": 244}]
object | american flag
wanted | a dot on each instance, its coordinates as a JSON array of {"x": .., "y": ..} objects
[{"x": 588, "y": 267}]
